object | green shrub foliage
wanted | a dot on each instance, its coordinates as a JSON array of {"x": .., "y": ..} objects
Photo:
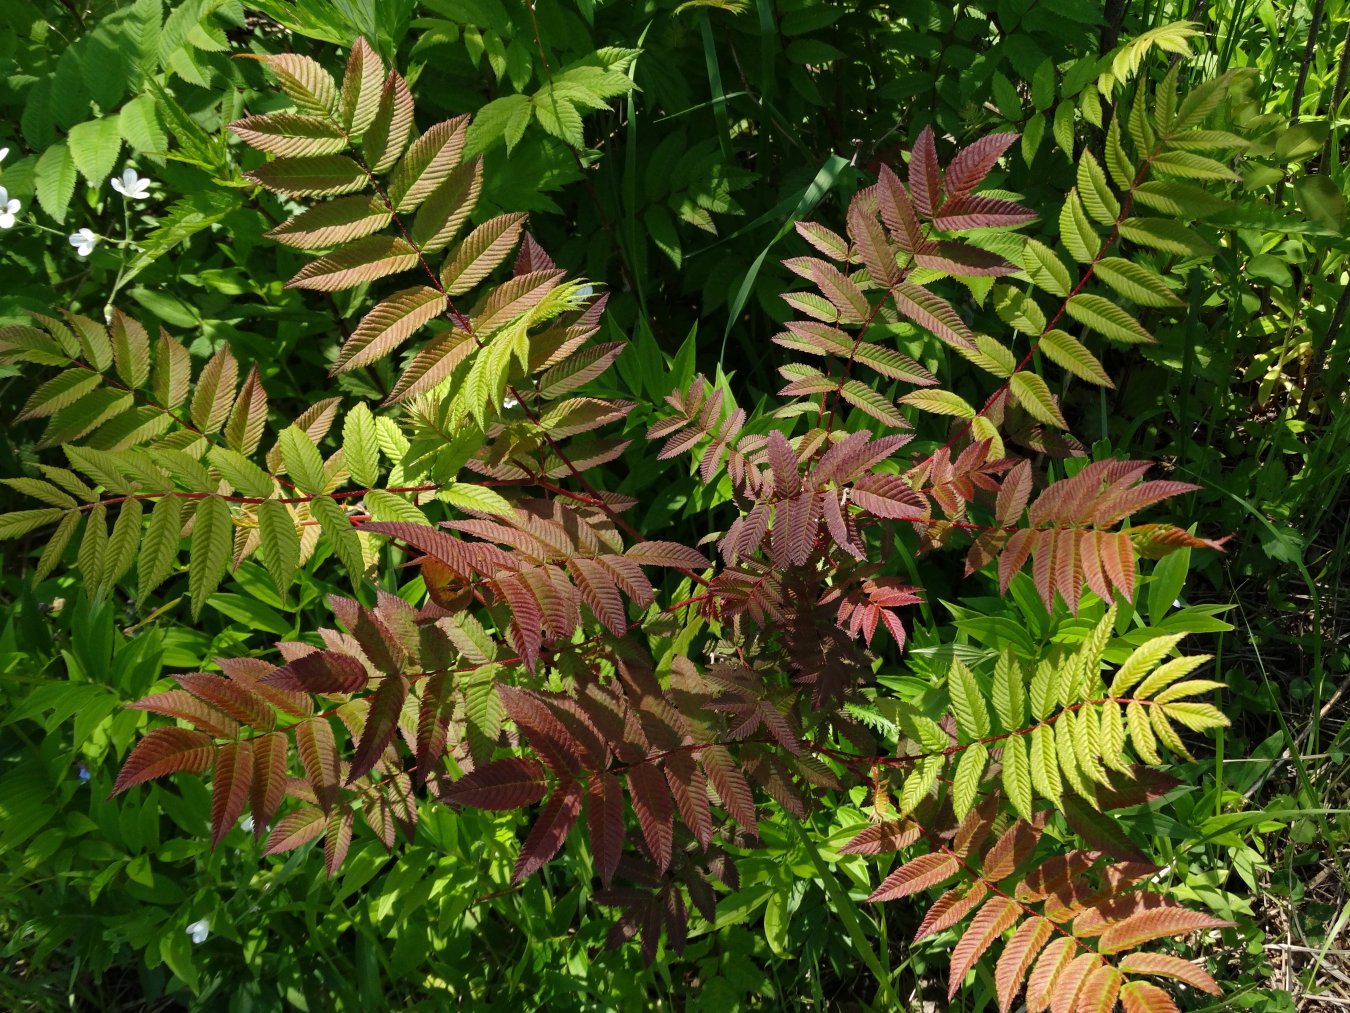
[{"x": 645, "y": 696}]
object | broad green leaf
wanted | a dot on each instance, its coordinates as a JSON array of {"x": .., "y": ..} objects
[
  {"x": 1076, "y": 232},
  {"x": 476, "y": 498},
  {"x": 1067, "y": 352},
  {"x": 94, "y": 146},
  {"x": 938, "y": 402},
  {"x": 1095, "y": 192},
  {"x": 1167, "y": 236},
  {"x": 361, "y": 446},
  {"x": 1107, "y": 319},
  {"x": 1136, "y": 282},
  {"x": 1017, "y": 775},
  {"x": 1045, "y": 269},
  {"x": 301, "y": 459},
  {"x": 159, "y": 549},
  {"x": 278, "y": 544},
  {"x": 969, "y": 774},
  {"x": 93, "y": 547},
  {"x": 341, "y": 535},
  {"x": 1009, "y": 692},
  {"x": 122, "y": 543},
  {"x": 139, "y": 125},
  {"x": 241, "y": 473},
  {"x": 54, "y": 180},
  {"x": 21, "y": 522},
  {"x": 972, "y": 717},
  {"x": 1034, "y": 396}
]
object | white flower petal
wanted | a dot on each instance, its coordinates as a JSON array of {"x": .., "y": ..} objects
[
  {"x": 117, "y": 185},
  {"x": 199, "y": 930},
  {"x": 84, "y": 242},
  {"x": 6, "y": 220},
  {"x": 3, "y": 153},
  {"x": 4, "y": 195}
]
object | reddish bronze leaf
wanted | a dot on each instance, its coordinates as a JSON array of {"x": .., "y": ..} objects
[
  {"x": 604, "y": 817},
  {"x": 510, "y": 783},
  {"x": 655, "y": 810},
  {"x": 919, "y": 874},
  {"x": 1017, "y": 958},
  {"x": 230, "y": 791},
  {"x": 296, "y": 828},
  {"x": 268, "y": 788},
  {"x": 381, "y": 725},
  {"x": 165, "y": 751},
  {"x": 321, "y": 672},
  {"x": 996, "y": 916},
  {"x": 550, "y": 829}
]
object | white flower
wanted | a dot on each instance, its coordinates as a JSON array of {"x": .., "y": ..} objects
[
  {"x": 9, "y": 206},
  {"x": 131, "y": 186},
  {"x": 509, "y": 402},
  {"x": 1176, "y": 604},
  {"x": 199, "y": 930},
  {"x": 247, "y": 824},
  {"x": 84, "y": 242},
  {"x": 4, "y": 153},
  {"x": 585, "y": 291}
]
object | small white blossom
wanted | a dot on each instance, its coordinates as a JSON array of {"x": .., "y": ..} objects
[
  {"x": 585, "y": 291},
  {"x": 247, "y": 825},
  {"x": 131, "y": 186},
  {"x": 4, "y": 153},
  {"x": 199, "y": 930},
  {"x": 1176, "y": 604},
  {"x": 509, "y": 402},
  {"x": 9, "y": 207},
  {"x": 84, "y": 242}
]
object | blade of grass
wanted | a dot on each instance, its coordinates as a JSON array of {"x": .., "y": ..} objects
[
  {"x": 811, "y": 195},
  {"x": 847, "y": 910}
]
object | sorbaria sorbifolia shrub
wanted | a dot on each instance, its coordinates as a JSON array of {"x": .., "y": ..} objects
[{"x": 544, "y": 667}]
